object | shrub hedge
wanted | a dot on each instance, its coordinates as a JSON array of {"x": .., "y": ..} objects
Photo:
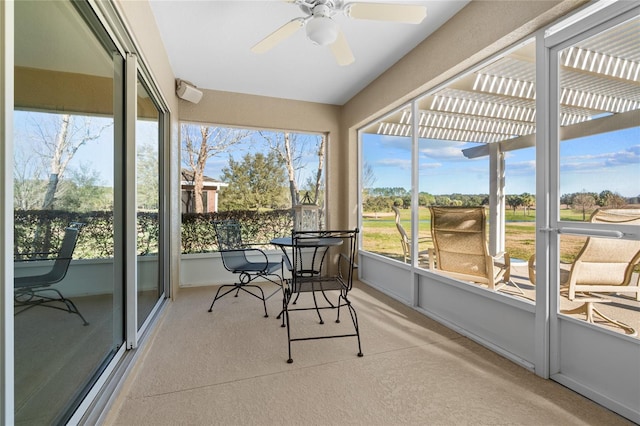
[{"x": 39, "y": 231}]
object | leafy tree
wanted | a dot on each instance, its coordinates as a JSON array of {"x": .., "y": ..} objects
[
  {"x": 377, "y": 204},
  {"x": 528, "y": 201},
  {"x": 425, "y": 199},
  {"x": 199, "y": 144},
  {"x": 611, "y": 200},
  {"x": 147, "y": 177},
  {"x": 513, "y": 201},
  {"x": 566, "y": 199},
  {"x": 255, "y": 182},
  {"x": 84, "y": 191},
  {"x": 389, "y": 192},
  {"x": 442, "y": 200}
]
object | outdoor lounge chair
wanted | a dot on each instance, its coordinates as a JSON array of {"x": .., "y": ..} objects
[
  {"x": 461, "y": 250},
  {"x": 322, "y": 262},
  {"x": 247, "y": 262},
  {"x": 37, "y": 290},
  {"x": 405, "y": 242},
  {"x": 605, "y": 265}
]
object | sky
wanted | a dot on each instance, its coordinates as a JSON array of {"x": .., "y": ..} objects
[
  {"x": 307, "y": 167},
  {"x": 97, "y": 155},
  {"x": 609, "y": 161}
]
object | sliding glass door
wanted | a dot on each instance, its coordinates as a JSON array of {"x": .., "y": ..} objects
[
  {"x": 595, "y": 210},
  {"x": 88, "y": 205},
  {"x": 67, "y": 116},
  {"x": 150, "y": 286}
]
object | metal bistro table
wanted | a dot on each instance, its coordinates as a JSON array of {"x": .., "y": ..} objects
[
  {"x": 310, "y": 256},
  {"x": 314, "y": 245},
  {"x": 284, "y": 242}
]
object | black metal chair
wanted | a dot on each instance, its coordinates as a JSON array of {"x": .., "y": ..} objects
[
  {"x": 247, "y": 262},
  {"x": 32, "y": 290},
  {"x": 321, "y": 262}
]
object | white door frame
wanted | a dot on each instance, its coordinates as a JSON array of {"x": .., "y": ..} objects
[{"x": 593, "y": 361}]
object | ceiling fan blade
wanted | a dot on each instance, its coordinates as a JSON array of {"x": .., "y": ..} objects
[
  {"x": 407, "y": 13},
  {"x": 278, "y": 35},
  {"x": 341, "y": 50}
]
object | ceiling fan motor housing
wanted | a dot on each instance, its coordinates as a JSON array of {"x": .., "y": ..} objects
[
  {"x": 321, "y": 29},
  {"x": 320, "y": 7}
]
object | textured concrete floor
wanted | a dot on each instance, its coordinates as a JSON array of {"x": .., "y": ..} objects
[{"x": 229, "y": 367}]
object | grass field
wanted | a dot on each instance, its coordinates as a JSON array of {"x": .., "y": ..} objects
[{"x": 381, "y": 236}]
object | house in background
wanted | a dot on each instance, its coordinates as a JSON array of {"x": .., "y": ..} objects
[{"x": 210, "y": 190}]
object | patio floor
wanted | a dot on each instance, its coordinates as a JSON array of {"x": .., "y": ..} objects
[{"x": 229, "y": 367}]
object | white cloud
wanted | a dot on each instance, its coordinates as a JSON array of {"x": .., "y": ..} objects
[{"x": 394, "y": 162}]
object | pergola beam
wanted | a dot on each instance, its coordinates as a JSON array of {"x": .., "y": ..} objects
[{"x": 611, "y": 123}]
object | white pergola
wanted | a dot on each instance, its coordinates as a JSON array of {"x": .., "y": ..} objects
[{"x": 496, "y": 105}]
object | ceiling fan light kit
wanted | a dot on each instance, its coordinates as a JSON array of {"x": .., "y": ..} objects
[{"x": 322, "y": 30}]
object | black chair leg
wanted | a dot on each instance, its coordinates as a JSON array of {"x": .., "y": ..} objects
[
  {"x": 237, "y": 288},
  {"x": 315, "y": 303},
  {"x": 286, "y": 319},
  {"x": 354, "y": 319},
  {"x": 36, "y": 298},
  {"x": 218, "y": 292}
]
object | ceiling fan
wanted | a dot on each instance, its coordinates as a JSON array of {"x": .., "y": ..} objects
[{"x": 323, "y": 30}]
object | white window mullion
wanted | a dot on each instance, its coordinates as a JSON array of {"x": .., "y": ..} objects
[
  {"x": 6, "y": 214},
  {"x": 543, "y": 184},
  {"x": 131, "y": 265},
  {"x": 415, "y": 214}
]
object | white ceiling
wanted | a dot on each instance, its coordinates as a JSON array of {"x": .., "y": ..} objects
[{"x": 208, "y": 44}]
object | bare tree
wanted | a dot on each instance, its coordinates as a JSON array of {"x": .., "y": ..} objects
[
  {"x": 59, "y": 140},
  {"x": 318, "y": 182},
  {"x": 27, "y": 187},
  {"x": 368, "y": 179},
  {"x": 199, "y": 144},
  {"x": 291, "y": 148},
  {"x": 584, "y": 201}
]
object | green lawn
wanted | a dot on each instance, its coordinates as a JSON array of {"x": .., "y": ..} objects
[{"x": 381, "y": 236}]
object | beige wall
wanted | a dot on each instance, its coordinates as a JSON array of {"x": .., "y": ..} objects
[{"x": 141, "y": 23}]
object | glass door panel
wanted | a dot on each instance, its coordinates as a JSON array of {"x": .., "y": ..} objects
[
  {"x": 386, "y": 185},
  {"x": 68, "y": 323},
  {"x": 599, "y": 155},
  {"x": 594, "y": 293},
  {"x": 149, "y": 283}
]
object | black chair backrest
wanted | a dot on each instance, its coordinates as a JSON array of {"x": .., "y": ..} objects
[
  {"x": 230, "y": 246},
  {"x": 228, "y": 235},
  {"x": 310, "y": 260},
  {"x": 65, "y": 254}
]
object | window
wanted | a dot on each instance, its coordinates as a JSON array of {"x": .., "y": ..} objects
[
  {"x": 474, "y": 148},
  {"x": 386, "y": 183},
  {"x": 251, "y": 175},
  {"x": 599, "y": 176}
]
